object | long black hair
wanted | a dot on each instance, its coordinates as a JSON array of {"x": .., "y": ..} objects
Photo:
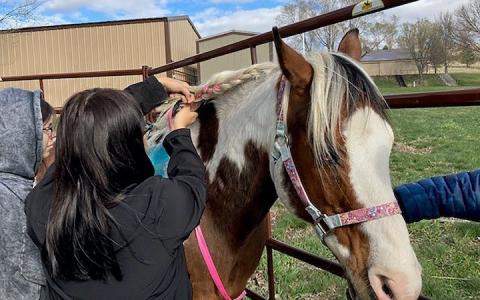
[
  {"x": 100, "y": 154},
  {"x": 46, "y": 109}
]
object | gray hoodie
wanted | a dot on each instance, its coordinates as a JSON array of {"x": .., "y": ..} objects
[{"x": 21, "y": 274}]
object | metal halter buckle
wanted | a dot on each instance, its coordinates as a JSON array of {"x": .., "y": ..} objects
[
  {"x": 280, "y": 142},
  {"x": 321, "y": 227}
]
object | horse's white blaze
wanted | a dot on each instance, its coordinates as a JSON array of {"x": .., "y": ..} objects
[{"x": 369, "y": 141}]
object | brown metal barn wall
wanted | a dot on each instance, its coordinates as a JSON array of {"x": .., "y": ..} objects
[
  {"x": 183, "y": 42},
  {"x": 101, "y": 47},
  {"x": 386, "y": 68},
  {"x": 231, "y": 61}
]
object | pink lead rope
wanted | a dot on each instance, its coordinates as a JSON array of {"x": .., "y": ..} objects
[
  {"x": 202, "y": 245},
  {"x": 207, "y": 258}
]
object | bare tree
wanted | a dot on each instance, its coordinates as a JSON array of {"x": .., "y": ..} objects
[
  {"x": 295, "y": 12},
  {"x": 417, "y": 38},
  {"x": 446, "y": 24},
  {"x": 436, "y": 51},
  {"x": 467, "y": 19},
  {"x": 381, "y": 34},
  {"x": 14, "y": 13},
  {"x": 325, "y": 37}
]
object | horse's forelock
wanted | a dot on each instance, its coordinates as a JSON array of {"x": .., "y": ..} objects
[{"x": 339, "y": 85}]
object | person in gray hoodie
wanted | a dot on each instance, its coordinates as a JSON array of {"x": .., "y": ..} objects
[{"x": 21, "y": 274}]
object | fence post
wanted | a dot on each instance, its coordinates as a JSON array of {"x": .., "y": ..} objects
[
  {"x": 145, "y": 72},
  {"x": 40, "y": 81},
  {"x": 271, "y": 278},
  {"x": 270, "y": 274},
  {"x": 168, "y": 46},
  {"x": 151, "y": 116},
  {"x": 253, "y": 55}
]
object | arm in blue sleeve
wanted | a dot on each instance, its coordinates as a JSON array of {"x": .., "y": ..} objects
[{"x": 456, "y": 196}]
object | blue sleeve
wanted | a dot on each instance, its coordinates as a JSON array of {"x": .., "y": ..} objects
[{"x": 456, "y": 196}]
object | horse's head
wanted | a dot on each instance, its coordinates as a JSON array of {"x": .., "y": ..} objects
[{"x": 340, "y": 142}]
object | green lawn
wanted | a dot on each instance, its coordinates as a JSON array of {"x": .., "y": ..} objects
[
  {"x": 432, "y": 82},
  {"x": 418, "y": 89},
  {"x": 428, "y": 142},
  {"x": 466, "y": 79}
]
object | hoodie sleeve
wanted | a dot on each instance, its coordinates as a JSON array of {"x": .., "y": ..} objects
[
  {"x": 456, "y": 196},
  {"x": 185, "y": 192},
  {"x": 149, "y": 93}
]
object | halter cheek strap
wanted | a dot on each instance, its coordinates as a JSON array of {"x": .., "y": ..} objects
[{"x": 323, "y": 224}]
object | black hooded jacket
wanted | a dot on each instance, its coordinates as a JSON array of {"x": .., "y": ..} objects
[{"x": 154, "y": 219}]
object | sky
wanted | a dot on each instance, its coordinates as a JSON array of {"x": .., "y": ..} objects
[{"x": 209, "y": 16}]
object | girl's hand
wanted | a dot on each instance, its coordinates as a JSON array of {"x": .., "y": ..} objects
[
  {"x": 177, "y": 87},
  {"x": 184, "y": 117}
]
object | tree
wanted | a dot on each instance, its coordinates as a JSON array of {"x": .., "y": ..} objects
[
  {"x": 446, "y": 26},
  {"x": 325, "y": 37},
  {"x": 467, "y": 19},
  {"x": 467, "y": 56},
  {"x": 417, "y": 38},
  {"x": 295, "y": 12},
  {"x": 13, "y": 13},
  {"x": 380, "y": 35},
  {"x": 436, "y": 51}
]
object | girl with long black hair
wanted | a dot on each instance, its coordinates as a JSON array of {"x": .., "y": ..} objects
[{"x": 106, "y": 227}]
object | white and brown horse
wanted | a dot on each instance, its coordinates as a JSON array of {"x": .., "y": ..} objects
[{"x": 340, "y": 141}]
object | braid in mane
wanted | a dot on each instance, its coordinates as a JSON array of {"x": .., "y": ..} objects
[{"x": 222, "y": 82}]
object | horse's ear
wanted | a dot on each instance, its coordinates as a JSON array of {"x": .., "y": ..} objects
[
  {"x": 297, "y": 70},
  {"x": 350, "y": 44}
]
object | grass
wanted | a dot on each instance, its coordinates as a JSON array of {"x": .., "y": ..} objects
[
  {"x": 432, "y": 83},
  {"x": 418, "y": 89},
  {"x": 467, "y": 79},
  {"x": 428, "y": 142}
]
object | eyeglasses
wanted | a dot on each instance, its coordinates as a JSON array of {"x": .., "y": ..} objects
[{"x": 49, "y": 130}]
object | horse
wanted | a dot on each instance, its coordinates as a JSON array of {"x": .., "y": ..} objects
[{"x": 339, "y": 137}]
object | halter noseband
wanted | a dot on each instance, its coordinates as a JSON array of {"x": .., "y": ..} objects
[{"x": 323, "y": 224}]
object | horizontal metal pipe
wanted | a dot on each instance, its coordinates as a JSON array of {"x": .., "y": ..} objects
[
  {"x": 111, "y": 73},
  {"x": 467, "y": 97},
  {"x": 330, "y": 18},
  {"x": 304, "y": 256}
]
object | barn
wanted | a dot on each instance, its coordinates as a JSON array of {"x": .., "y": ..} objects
[
  {"x": 113, "y": 45},
  {"x": 389, "y": 63},
  {"x": 232, "y": 61}
]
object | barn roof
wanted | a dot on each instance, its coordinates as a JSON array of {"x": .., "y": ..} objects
[
  {"x": 103, "y": 23},
  {"x": 230, "y": 32},
  {"x": 384, "y": 55}
]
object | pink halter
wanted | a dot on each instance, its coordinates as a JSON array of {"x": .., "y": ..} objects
[{"x": 323, "y": 224}]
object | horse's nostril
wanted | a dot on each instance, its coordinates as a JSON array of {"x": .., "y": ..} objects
[{"x": 386, "y": 288}]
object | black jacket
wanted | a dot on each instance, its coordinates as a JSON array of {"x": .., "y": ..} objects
[
  {"x": 149, "y": 93},
  {"x": 155, "y": 218}
]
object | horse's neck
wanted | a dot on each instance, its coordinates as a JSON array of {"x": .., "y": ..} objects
[{"x": 234, "y": 137}]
